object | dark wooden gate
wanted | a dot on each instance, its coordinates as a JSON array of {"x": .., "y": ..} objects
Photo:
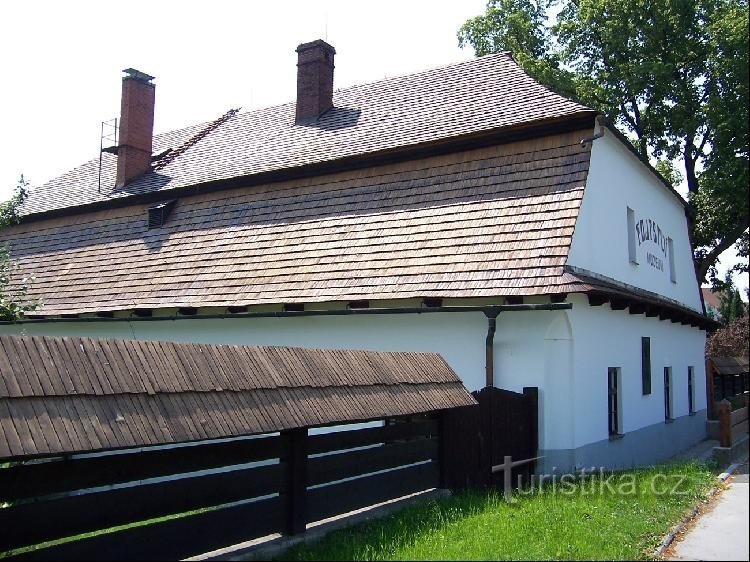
[
  {"x": 504, "y": 425},
  {"x": 510, "y": 429}
]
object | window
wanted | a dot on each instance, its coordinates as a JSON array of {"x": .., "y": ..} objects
[
  {"x": 691, "y": 390},
  {"x": 631, "y": 236},
  {"x": 646, "y": 365},
  {"x": 159, "y": 214},
  {"x": 613, "y": 401},
  {"x": 668, "y": 409},
  {"x": 672, "y": 272}
]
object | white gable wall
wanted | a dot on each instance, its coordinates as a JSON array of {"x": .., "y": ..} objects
[{"x": 617, "y": 180}]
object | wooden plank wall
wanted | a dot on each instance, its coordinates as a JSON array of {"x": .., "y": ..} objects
[{"x": 233, "y": 491}]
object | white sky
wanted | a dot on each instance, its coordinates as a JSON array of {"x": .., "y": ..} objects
[{"x": 61, "y": 62}]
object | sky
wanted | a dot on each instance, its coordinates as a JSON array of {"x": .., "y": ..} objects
[{"x": 62, "y": 63}]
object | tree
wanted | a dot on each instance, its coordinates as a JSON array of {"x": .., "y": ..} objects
[
  {"x": 14, "y": 302},
  {"x": 673, "y": 75},
  {"x": 731, "y": 307}
]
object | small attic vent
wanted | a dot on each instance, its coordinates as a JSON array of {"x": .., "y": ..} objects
[{"x": 158, "y": 215}]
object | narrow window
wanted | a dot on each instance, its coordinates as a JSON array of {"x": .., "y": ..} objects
[
  {"x": 672, "y": 272},
  {"x": 691, "y": 390},
  {"x": 668, "y": 413},
  {"x": 646, "y": 365},
  {"x": 613, "y": 401},
  {"x": 631, "y": 236}
]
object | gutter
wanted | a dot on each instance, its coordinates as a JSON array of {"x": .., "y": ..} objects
[
  {"x": 489, "y": 349},
  {"x": 489, "y": 310}
]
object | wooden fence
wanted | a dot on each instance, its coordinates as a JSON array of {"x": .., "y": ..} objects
[
  {"x": 166, "y": 503},
  {"x": 733, "y": 425},
  {"x": 221, "y": 493}
]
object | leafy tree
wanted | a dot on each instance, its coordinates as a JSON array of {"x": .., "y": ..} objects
[
  {"x": 731, "y": 307},
  {"x": 9, "y": 209},
  {"x": 672, "y": 74},
  {"x": 13, "y": 301}
]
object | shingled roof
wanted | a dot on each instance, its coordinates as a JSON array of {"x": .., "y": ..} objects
[
  {"x": 64, "y": 395},
  {"x": 482, "y": 222},
  {"x": 485, "y": 94}
]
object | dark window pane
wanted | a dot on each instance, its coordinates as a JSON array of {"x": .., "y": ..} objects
[{"x": 646, "y": 365}]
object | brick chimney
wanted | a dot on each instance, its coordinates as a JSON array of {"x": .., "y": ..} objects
[
  {"x": 314, "y": 80},
  {"x": 136, "y": 126}
]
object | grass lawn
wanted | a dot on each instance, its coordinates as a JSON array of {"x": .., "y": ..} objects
[{"x": 620, "y": 516}]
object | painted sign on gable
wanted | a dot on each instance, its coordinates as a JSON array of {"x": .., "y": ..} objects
[{"x": 647, "y": 239}]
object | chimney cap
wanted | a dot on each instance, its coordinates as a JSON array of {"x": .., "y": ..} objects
[
  {"x": 134, "y": 74},
  {"x": 317, "y": 43}
]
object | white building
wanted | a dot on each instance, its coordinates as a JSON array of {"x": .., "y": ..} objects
[{"x": 402, "y": 215}]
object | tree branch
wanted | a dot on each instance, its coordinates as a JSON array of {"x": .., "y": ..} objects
[{"x": 710, "y": 258}]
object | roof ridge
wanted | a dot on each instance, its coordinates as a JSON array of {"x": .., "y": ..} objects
[{"x": 171, "y": 154}]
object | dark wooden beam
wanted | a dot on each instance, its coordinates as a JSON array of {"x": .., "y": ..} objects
[
  {"x": 652, "y": 311},
  {"x": 514, "y": 300},
  {"x": 618, "y": 303},
  {"x": 638, "y": 307},
  {"x": 597, "y": 299},
  {"x": 558, "y": 297}
]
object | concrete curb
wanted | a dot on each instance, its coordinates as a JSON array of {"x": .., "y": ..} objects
[{"x": 677, "y": 529}]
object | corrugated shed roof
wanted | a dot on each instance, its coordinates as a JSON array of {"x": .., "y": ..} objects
[
  {"x": 486, "y": 222},
  {"x": 63, "y": 395},
  {"x": 485, "y": 94}
]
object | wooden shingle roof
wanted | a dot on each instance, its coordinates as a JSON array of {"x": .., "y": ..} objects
[
  {"x": 489, "y": 222},
  {"x": 486, "y": 94},
  {"x": 65, "y": 395}
]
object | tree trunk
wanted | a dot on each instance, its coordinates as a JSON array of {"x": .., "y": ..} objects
[{"x": 710, "y": 258}]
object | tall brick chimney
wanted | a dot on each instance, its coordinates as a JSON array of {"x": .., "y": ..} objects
[
  {"x": 314, "y": 80},
  {"x": 136, "y": 126}
]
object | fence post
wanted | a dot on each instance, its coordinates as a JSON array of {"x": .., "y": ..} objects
[
  {"x": 710, "y": 392},
  {"x": 532, "y": 393},
  {"x": 443, "y": 428},
  {"x": 725, "y": 423},
  {"x": 296, "y": 481}
]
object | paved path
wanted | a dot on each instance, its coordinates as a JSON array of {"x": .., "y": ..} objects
[{"x": 722, "y": 532}]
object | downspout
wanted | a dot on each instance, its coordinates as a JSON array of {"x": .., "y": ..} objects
[{"x": 489, "y": 348}]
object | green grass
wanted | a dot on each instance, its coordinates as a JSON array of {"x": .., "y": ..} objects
[
  {"x": 82, "y": 536},
  {"x": 592, "y": 522}
]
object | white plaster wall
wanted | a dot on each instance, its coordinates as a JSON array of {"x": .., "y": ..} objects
[
  {"x": 521, "y": 348},
  {"x": 618, "y": 180},
  {"x": 534, "y": 348},
  {"x": 607, "y": 338},
  {"x": 458, "y": 337},
  {"x": 564, "y": 353}
]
